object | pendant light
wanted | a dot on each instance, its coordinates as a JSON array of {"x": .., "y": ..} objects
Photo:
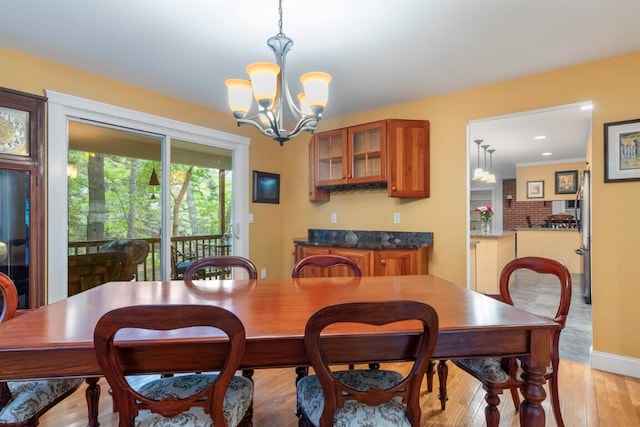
[
  {"x": 485, "y": 172},
  {"x": 477, "y": 173},
  {"x": 492, "y": 178}
]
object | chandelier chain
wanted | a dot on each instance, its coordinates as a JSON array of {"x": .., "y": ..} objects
[{"x": 280, "y": 18}]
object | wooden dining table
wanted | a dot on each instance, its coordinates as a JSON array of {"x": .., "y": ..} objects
[{"x": 57, "y": 340}]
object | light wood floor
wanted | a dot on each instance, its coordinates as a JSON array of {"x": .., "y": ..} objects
[{"x": 589, "y": 398}]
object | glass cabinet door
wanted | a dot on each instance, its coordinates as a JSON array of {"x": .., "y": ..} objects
[
  {"x": 14, "y": 230},
  {"x": 367, "y": 153},
  {"x": 331, "y": 156}
]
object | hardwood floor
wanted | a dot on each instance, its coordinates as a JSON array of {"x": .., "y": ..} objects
[{"x": 589, "y": 398}]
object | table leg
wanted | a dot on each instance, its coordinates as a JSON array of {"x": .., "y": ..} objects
[
  {"x": 93, "y": 400},
  {"x": 534, "y": 367}
]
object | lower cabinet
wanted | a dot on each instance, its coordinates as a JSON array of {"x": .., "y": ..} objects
[{"x": 372, "y": 262}]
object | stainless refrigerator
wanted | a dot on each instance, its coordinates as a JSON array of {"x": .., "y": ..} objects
[{"x": 583, "y": 200}]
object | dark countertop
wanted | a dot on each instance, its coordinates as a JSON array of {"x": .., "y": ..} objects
[
  {"x": 366, "y": 239},
  {"x": 545, "y": 229}
]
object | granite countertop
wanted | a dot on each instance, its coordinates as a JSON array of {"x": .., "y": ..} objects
[
  {"x": 545, "y": 229},
  {"x": 365, "y": 239}
]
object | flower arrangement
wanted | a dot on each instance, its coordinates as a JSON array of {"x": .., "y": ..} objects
[{"x": 486, "y": 212}]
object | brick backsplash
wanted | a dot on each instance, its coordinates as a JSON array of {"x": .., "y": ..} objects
[{"x": 516, "y": 215}]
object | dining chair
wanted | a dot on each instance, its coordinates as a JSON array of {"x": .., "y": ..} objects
[
  {"x": 498, "y": 374},
  {"x": 325, "y": 261},
  {"x": 220, "y": 262},
  {"x": 22, "y": 403},
  {"x": 364, "y": 396},
  {"x": 192, "y": 399}
]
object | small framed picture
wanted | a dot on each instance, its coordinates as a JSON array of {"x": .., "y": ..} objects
[
  {"x": 535, "y": 189},
  {"x": 266, "y": 187},
  {"x": 622, "y": 151},
  {"x": 566, "y": 182}
]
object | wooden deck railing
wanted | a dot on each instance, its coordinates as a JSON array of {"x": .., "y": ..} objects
[{"x": 185, "y": 248}]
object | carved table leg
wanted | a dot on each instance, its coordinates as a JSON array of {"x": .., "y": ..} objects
[
  {"x": 531, "y": 410},
  {"x": 93, "y": 400}
]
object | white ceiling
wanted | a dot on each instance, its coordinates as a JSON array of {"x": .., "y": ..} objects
[{"x": 379, "y": 52}]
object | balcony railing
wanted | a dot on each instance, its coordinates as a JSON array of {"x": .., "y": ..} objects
[{"x": 184, "y": 249}]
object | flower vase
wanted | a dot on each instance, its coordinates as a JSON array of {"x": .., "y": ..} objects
[{"x": 485, "y": 227}]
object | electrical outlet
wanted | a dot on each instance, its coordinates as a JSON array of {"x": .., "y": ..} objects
[
  {"x": 334, "y": 218},
  {"x": 263, "y": 273},
  {"x": 250, "y": 218},
  {"x": 396, "y": 217}
]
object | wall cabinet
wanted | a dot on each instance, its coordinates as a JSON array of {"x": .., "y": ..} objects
[
  {"x": 372, "y": 262},
  {"x": 390, "y": 152}
]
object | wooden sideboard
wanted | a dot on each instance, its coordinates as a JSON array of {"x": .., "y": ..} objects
[{"x": 372, "y": 262}]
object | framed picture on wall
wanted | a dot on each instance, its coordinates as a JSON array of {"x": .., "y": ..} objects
[
  {"x": 266, "y": 187},
  {"x": 535, "y": 189},
  {"x": 566, "y": 182},
  {"x": 622, "y": 151}
]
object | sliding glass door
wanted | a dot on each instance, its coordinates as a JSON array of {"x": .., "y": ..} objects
[{"x": 135, "y": 177}]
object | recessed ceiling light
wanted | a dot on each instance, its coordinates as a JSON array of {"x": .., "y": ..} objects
[
  {"x": 548, "y": 153},
  {"x": 540, "y": 137}
]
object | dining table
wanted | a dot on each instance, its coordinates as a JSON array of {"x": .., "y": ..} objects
[{"x": 57, "y": 340}]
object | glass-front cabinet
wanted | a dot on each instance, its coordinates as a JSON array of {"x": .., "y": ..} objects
[
  {"x": 22, "y": 190},
  {"x": 352, "y": 155}
]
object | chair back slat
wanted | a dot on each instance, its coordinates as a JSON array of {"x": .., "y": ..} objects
[
  {"x": 225, "y": 261},
  {"x": 325, "y": 261}
]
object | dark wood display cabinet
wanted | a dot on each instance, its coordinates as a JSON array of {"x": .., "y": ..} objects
[{"x": 22, "y": 187}]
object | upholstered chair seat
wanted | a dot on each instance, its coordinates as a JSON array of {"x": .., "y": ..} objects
[
  {"x": 490, "y": 369},
  {"x": 237, "y": 400},
  {"x": 30, "y": 398},
  {"x": 311, "y": 399}
]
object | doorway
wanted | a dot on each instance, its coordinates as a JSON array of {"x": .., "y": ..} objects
[{"x": 527, "y": 147}]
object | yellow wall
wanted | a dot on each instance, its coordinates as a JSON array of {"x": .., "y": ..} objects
[
  {"x": 612, "y": 85},
  {"x": 547, "y": 174}
]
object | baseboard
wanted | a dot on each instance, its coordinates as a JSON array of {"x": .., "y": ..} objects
[{"x": 615, "y": 363}]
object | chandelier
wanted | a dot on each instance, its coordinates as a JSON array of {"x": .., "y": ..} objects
[{"x": 268, "y": 85}]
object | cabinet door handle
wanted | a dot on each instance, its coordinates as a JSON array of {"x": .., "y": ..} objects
[
  {"x": 349, "y": 176},
  {"x": 383, "y": 261}
]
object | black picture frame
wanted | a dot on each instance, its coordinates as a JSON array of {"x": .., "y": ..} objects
[
  {"x": 535, "y": 189},
  {"x": 622, "y": 151},
  {"x": 266, "y": 187},
  {"x": 566, "y": 182}
]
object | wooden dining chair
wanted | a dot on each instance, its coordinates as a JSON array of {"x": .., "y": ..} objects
[
  {"x": 498, "y": 374},
  {"x": 220, "y": 262},
  {"x": 325, "y": 261},
  {"x": 22, "y": 403},
  {"x": 364, "y": 397},
  {"x": 193, "y": 399}
]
